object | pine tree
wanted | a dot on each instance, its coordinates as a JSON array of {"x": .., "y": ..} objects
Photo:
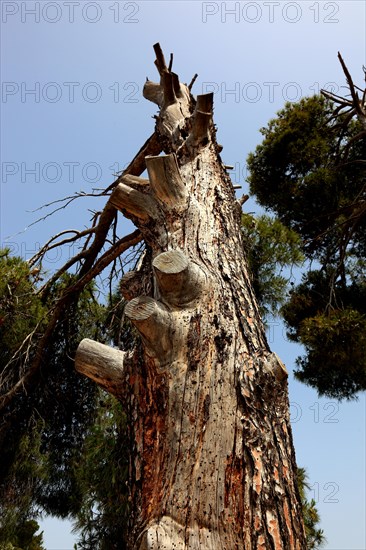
[{"x": 309, "y": 171}]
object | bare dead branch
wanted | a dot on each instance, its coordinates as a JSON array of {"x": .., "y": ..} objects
[
  {"x": 152, "y": 146},
  {"x": 336, "y": 98},
  {"x": 347, "y": 108},
  {"x": 25, "y": 344},
  {"x": 67, "y": 200},
  {"x": 44, "y": 290},
  {"x": 354, "y": 94},
  {"x": 69, "y": 296},
  {"x": 94, "y": 223},
  {"x": 117, "y": 249},
  {"x": 48, "y": 246},
  {"x": 357, "y": 161},
  {"x": 43, "y": 218},
  {"x": 353, "y": 106},
  {"x": 90, "y": 268},
  {"x": 135, "y": 168},
  {"x": 352, "y": 140},
  {"x": 190, "y": 85},
  {"x": 160, "y": 60}
]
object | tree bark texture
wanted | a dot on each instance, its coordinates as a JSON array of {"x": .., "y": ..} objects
[{"x": 212, "y": 459}]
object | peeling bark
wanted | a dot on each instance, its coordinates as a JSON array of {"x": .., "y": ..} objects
[{"x": 212, "y": 464}]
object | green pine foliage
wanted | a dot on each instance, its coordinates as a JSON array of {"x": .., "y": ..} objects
[
  {"x": 314, "y": 536},
  {"x": 310, "y": 173},
  {"x": 271, "y": 249},
  {"x": 43, "y": 431},
  {"x": 295, "y": 173},
  {"x": 24, "y": 538},
  {"x": 64, "y": 449},
  {"x": 102, "y": 518},
  {"x": 21, "y": 313},
  {"x": 28, "y": 470},
  {"x": 342, "y": 334}
]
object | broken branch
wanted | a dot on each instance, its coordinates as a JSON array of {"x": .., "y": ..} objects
[
  {"x": 180, "y": 281},
  {"x": 166, "y": 181},
  {"x": 102, "y": 364},
  {"x": 134, "y": 202}
]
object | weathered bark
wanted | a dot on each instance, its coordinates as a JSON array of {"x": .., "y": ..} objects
[{"x": 212, "y": 463}]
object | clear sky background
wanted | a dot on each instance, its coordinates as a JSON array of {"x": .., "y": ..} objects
[{"x": 72, "y": 113}]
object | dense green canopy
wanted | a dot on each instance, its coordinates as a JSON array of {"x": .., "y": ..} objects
[
  {"x": 310, "y": 172},
  {"x": 42, "y": 431},
  {"x": 272, "y": 249}
]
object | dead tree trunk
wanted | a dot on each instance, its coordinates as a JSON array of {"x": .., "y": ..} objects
[{"x": 212, "y": 463}]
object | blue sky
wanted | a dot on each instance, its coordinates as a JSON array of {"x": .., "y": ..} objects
[{"x": 72, "y": 113}]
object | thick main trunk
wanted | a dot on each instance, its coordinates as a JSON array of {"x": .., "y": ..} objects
[{"x": 212, "y": 463}]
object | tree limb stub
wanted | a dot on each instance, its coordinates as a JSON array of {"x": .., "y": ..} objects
[
  {"x": 205, "y": 103},
  {"x": 160, "y": 60},
  {"x": 176, "y": 85},
  {"x": 137, "y": 204},
  {"x": 135, "y": 181},
  {"x": 152, "y": 91},
  {"x": 274, "y": 365},
  {"x": 166, "y": 181},
  {"x": 152, "y": 146},
  {"x": 201, "y": 125},
  {"x": 167, "y": 80},
  {"x": 180, "y": 281},
  {"x": 201, "y": 120},
  {"x": 130, "y": 284},
  {"x": 168, "y": 87},
  {"x": 153, "y": 321},
  {"x": 102, "y": 364}
]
